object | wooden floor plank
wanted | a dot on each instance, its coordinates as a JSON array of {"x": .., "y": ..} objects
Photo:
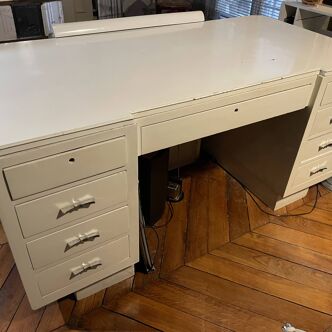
[
  {"x": 67, "y": 329},
  {"x": 6, "y": 263},
  {"x": 175, "y": 238},
  {"x": 105, "y": 320},
  {"x": 11, "y": 295},
  {"x": 276, "y": 266},
  {"x": 85, "y": 306},
  {"x": 265, "y": 282},
  {"x": 208, "y": 308},
  {"x": 305, "y": 225},
  {"x": 324, "y": 202},
  {"x": 3, "y": 238},
  {"x": 237, "y": 210},
  {"x": 218, "y": 231},
  {"x": 114, "y": 292},
  {"x": 51, "y": 319},
  {"x": 66, "y": 306},
  {"x": 250, "y": 299},
  {"x": 286, "y": 251},
  {"x": 322, "y": 216},
  {"x": 257, "y": 217},
  {"x": 298, "y": 238},
  {"x": 161, "y": 316},
  {"x": 197, "y": 232},
  {"x": 25, "y": 318}
]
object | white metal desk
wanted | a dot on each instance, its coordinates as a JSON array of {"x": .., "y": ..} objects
[{"x": 77, "y": 112}]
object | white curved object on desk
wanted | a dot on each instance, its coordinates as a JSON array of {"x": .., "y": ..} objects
[{"x": 125, "y": 23}]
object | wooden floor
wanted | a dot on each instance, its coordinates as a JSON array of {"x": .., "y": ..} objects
[{"x": 223, "y": 265}]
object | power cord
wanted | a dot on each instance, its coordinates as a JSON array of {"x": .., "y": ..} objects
[
  {"x": 263, "y": 210},
  {"x": 154, "y": 228},
  {"x": 171, "y": 211},
  {"x": 282, "y": 215}
]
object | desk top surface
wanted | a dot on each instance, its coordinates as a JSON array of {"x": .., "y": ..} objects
[{"x": 55, "y": 86}]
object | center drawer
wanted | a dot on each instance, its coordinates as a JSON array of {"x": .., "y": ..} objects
[
  {"x": 77, "y": 238},
  {"x": 51, "y": 172},
  {"x": 164, "y": 134},
  {"x": 58, "y": 209}
]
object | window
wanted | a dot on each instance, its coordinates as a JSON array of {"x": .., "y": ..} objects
[{"x": 232, "y": 8}]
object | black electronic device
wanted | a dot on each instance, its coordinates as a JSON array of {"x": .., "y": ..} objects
[
  {"x": 153, "y": 183},
  {"x": 28, "y": 20}
]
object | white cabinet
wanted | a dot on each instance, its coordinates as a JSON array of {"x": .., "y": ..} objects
[
  {"x": 7, "y": 25},
  {"x": 79, "y": 225},
  {"x": 314, "y": 18},
  {"x": 52, "y": 13}
]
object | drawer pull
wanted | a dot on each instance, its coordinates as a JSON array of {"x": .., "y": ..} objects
[
  {"x": 93, "y": 264},
  {"x": 75, "y": 204},
  {"x": 324, "y": 145},
  {"x": 81, "y": 238},
  {"x": 318, "y": 169}
]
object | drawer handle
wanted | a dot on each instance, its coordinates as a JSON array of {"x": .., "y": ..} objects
[
  {"x": 93, "y": 264},
  {"x": 317, "y": 170},
  {"x": 75, "y": 204},
  {"x": 81, "y": 238},
  {"x": 324, "y": 145}
]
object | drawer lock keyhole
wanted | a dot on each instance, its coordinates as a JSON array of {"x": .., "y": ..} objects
[{"x": 71, "y": 160}]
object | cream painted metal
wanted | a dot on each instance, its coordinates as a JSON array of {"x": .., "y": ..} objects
[
  {"x": 94, "y": 80},
  {"x": 101, "y": 100},
  {"x": 319, "y": 167},
  {"x": 111, "y": 258},
  {"x": 53, "y": 171},
  {"x": 42, "y": 214},
  {"x": 216, "y": 120},
  {"x": 125, "y": 23},
  {"x": 78, "y": 238},
  {"x": 60, "y": 245}
]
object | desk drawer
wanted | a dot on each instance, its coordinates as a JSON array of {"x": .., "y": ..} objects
[
  {"x": 50, "y": 172},
  {"x": 327, "y": 98},
  {"x": 316, "y": 147},
  {"x": 92, "y": 266},
  {"x": 313, "y": 172},
  {"x": 75, "y": 239},
  {"x": 322, "y": 122},
  {"x": 169, "y": 133},
  {"x": 45, "y": 213}
]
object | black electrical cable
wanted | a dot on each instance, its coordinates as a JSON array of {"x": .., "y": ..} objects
[
  {"x": 266, "y": 212},
  {"x": 282, "y": 215},
  {"x": 158, "y": 243},
  {"x": 171, "y": 211},
  {"x": 154, "y": 228}
]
